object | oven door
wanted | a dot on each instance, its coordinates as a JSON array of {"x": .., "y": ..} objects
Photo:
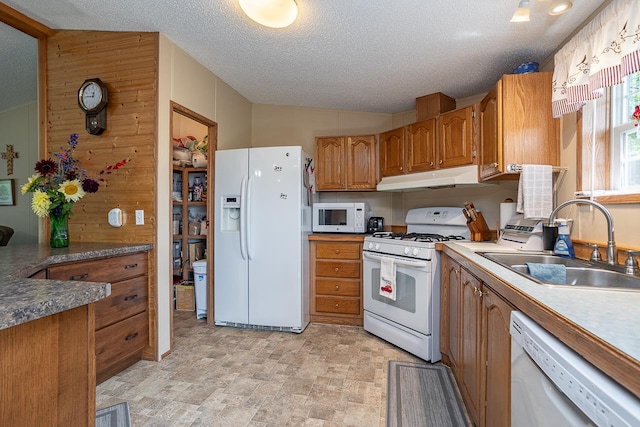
[{"x": 413, "y": 305}]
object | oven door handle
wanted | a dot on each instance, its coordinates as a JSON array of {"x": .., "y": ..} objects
[{"x": 400, "y": 262}]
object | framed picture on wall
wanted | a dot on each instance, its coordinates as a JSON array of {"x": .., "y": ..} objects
[{"x": 7, "y": 192}]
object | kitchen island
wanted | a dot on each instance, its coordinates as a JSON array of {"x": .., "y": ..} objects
[{"x": 47, "y": 335}]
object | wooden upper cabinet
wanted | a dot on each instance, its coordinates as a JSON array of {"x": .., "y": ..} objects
[
  {"x": 346, "y": 163},
  {"x": 392, "y": 152},
  {"x": 361, "y": 162},
  {"x": 330, "y": 167},
  {"x": 421, "y": 146},
  {"x": 456, "y": 143},
  {"x": 517, "y": 124}
]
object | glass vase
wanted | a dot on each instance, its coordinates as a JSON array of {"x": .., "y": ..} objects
[{"x": 59, "y": 225}]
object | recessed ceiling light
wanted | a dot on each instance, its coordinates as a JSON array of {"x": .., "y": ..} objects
[
  {"x": 558, "y": 7},
  {"x": 522, "y": 12},
  {"x": 271, "y": 13}
]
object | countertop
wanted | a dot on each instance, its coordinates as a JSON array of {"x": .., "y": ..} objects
[
  {"x": 23, "y": 299},
  {"x": 341, "y": 237},
  {"x": 612, "y": 316}
]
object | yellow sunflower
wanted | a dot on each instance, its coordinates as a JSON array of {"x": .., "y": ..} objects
[
  {"x": 31, "y": 182},
  {"x": 72, "y": 190}
]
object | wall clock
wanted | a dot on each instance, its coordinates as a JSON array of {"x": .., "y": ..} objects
[{"x": 92, "y": 99}]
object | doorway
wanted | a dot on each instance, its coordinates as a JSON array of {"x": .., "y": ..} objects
[{"x": 194, "y": 142}]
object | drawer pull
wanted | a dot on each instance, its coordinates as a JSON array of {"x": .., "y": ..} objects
[
  {"x": 130, "y": 337},
  {"x": 79, "y": 277},
  {"x": 337, "y": 269},
  {"x": 130, "y": 266},
  {"x": 337, "y": 251},
  {"x": 131, "y": 297},
  {"x": 337, "y": 287},
  {"x": 336, "y": 305}
]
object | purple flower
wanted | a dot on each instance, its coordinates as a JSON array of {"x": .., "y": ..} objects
[{"x": 90, "y": 186}]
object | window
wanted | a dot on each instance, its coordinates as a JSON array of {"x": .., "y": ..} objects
[
  {"x": 609, "y": 145},
  {"x": 625, "y": 138}
]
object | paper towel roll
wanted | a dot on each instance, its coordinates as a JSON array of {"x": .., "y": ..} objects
[{"x": 507, "y": 211}]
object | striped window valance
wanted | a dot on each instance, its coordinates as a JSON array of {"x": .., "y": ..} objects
[{"x": 600, "y": 55}]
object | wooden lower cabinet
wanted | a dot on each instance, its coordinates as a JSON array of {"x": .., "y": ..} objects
[
  {"x": 336, "y": 282},
  {"x": 476, "y": 343},
  {"x": 121, "y": 319}
]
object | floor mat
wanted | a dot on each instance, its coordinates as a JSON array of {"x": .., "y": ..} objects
[
  {"x": 422, "y": 395},
  {"x": 114, "y": 416}
]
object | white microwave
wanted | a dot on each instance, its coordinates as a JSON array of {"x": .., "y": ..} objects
[{"x": 340, "y": 217}]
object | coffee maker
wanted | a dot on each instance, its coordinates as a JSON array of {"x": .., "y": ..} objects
[{"x": 375, "y": 224}]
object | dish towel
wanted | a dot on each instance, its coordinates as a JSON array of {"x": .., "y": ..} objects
[
  {"x": 550, "y": 273},
  {"x": 535, "y": 191},
  {"x": 388, "y": 278}
]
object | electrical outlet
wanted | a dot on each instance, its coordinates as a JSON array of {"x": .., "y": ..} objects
[{"x": 139, "y": 217}]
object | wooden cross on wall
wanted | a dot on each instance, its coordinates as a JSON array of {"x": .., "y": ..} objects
[{"x": 9, "y": 155}]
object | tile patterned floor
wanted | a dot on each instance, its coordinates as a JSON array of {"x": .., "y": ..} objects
[{"x": 220, "y": 376}]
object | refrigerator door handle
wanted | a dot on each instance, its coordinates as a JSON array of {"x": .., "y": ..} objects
[
  {"x": 243, "y": 220},
  {"x": 248, "y": 219}
]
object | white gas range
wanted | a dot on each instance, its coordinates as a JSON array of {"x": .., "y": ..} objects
[{"x": 404, "y": 307}]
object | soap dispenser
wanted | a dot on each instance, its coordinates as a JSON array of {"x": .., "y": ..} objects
[{"x": 563, "y": 246}]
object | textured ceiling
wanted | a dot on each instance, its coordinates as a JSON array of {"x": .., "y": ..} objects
[{"x": 364, "y": 55}]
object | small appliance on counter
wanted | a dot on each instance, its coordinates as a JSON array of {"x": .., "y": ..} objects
[
  {"x": 375, "y": 224},
  {"x": 340, "y": 217},
  {"x": 523, "y": 234}
]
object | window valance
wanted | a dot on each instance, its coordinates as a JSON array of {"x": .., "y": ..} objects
[{"x": 600, "y": 55}]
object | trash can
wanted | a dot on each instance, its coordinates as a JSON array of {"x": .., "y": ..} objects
[{"x": 200, "y": 279}]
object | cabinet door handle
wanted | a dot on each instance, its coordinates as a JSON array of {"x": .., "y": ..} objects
[
  {"x": 401, "y": 168},
  {"x": 130, "y": 266},
  {"x": 79, "y": 277},
  {"x": 131, "y": 297},
  {"x": 431, "y": 164},
  {"x": 441, "y": 161},
  {"x": 130, "y": 337},
  {"x": 494, "y": 165}
]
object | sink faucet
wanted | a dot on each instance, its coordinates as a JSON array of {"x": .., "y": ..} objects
[{"x": 611, "y": 244}]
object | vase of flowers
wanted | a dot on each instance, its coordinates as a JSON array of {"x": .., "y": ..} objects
[{"x": 58, "y": 184}]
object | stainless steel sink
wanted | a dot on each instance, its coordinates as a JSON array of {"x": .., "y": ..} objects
[{"x": 580, "y": 274}]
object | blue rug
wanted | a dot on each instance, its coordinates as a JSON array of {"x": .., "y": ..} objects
[{"x": 114, "y": 416}]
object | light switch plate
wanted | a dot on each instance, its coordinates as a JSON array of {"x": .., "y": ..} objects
[{"x": 139, "y": 217}]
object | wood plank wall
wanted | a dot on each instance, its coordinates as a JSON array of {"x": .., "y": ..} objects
[{"x": 127, "y": 62}]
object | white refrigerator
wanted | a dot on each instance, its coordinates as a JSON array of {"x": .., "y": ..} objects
[{"x": 261, "y": 248}]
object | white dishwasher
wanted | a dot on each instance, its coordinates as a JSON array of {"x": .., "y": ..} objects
[{"x": 551, "y": 385}]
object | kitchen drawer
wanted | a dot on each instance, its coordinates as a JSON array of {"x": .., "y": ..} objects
[
  {"x": 121, "y": 339},
  {"x": 347, "y": 269},
  {"x": 127, "y": 298},
  {"x": 338, "y": 305},
  {"x": 102, "y": 270},
  {"x": 344, "y": 288},
  {"x": 338, "y": 250}
]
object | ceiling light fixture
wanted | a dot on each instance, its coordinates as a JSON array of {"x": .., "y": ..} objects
[
  {"x": 271, "y": 13},
  {"x": 522, "y": 12},
  {"x": 558, "y": 7}
]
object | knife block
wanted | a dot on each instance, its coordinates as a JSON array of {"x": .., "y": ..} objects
[{"x": 479, "y": 230}]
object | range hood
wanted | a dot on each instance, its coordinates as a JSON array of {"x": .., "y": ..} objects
[{"x": 441, "y": 178}]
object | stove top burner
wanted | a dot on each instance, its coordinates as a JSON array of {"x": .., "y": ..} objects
[{"x": 417, "y": 237}]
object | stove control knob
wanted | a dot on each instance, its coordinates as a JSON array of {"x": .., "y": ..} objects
[
  {"x": 415, "y": 251},
  {"x": 377, "y": 246},
  {"x": 370, "y": 245},
  {"x": 406, "y": 251}
]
